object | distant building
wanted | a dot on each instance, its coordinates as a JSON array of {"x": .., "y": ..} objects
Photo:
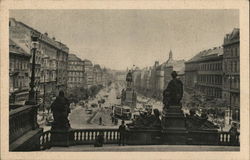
[
  {"x": 163, "y": 72},
  {"x": 97, "y": 75},
  {"x": 19, "y": 71},
  {"x": 231, "y": 69},
  {"x": 75, "y": 72},
  {"x": 88, "y": 73},
  {"x": 191, "y": 72}
]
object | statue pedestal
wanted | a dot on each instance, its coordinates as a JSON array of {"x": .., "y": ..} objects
[
  {"x": 62, "y": 137},
  {"x": 174, "y": 126}
]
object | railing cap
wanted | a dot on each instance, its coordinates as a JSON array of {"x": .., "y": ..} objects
[{"x": 20, "y": 109}]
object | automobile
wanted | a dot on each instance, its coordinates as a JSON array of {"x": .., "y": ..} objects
[{"x": 123, "y": 112}]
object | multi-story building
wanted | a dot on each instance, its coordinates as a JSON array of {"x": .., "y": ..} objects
[
  {"x": 75, "y": 72},
  {"x": 97, "y": 75},
  {"x": 231, "y": 69},
  {"x": 191, "y": 72},
  {"x": 51, "y": 57},
  {"x": 204, "y": 73},
  {"x": 209, "y": 79},
  {"x": 18, "y": 73},
  {"x": 88, "y": 73}
]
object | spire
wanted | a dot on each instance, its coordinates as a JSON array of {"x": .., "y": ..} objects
[
  {"x": 170, "y": 58},
  {"x": 170, "y": 54}
]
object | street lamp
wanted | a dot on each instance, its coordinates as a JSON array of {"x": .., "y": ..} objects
[
  {"x": 34, "y": 41},
  {"x": 230, "y": 97}
]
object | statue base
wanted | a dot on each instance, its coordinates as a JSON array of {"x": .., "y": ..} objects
[
  {"x": 62, "y": 137},
  {"x": 174, "y": 129}
]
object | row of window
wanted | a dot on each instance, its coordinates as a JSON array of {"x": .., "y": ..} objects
[
  {"x": 19, "y": 82},
  {"x": 211, "y": 67},
  {"x": 210, "y": 79},
  {"x": 232, "y": 82},
  {"x": 232, "y": 51},
  {"x": 232, "y": 66},
  {"x": 75, "y": 73},
  {"x": 75, "y": 79},
  {"x": 18, "y": 64},
  {"x": 75, "y": 63},
  {"x": 80, "y": 68}
]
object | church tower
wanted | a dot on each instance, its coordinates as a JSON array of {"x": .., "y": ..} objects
[{"x": 170, "y": 58}]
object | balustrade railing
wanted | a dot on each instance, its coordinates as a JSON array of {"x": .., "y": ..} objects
[
  {"x": 111, "y": 136},
  {"x": 88, "y": 136},
  {"x": 21, "y": 120},
  {"x": 45, "y": 140},
  {"x": 224, "y": 139}
]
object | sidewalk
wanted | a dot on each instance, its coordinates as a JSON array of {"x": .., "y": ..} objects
[{"x": 143, "y": 148}]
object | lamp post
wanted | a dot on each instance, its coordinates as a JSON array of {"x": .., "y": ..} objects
[
  {"x": 230, "y": 97},
  {"x": 34, "y": 41}
]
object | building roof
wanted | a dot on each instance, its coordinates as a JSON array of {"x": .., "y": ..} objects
[
  {"x": 16, "y": 49},
  {"x": 44, "y": 37},
  {"x": 207, "y": 54},
  {"x": 73, "y": 57},
  {"x": 234, "y": 36}
]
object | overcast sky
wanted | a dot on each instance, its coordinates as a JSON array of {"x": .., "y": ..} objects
[{"x": 118, "y": 39}]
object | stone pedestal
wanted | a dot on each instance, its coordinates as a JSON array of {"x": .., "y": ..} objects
[
  {"x": 62, "y": 138},
  {"x": 174, "y": 126}
]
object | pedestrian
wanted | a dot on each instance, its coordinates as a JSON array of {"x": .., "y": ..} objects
[
  {"x": 100, "y": 121},
  {"x": 233, "y": 134},
  {"x": 122, "y": 131}
]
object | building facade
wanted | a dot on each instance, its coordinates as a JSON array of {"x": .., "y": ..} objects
[
  {"x": 51, "y": 58},
  {"x": 19, "y": 71},
  {"x": 88, "y": 73},
  {"x": 231, "y": 69},
  {"x": 75, "y": 72},
  {"x": 209, "y": 79}
]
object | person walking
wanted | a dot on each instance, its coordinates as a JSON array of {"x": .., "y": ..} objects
[
  {"x": 100, "y": 121},
  {"x": 122, "y": 131}
]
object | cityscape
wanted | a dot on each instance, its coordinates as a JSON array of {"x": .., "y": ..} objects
[{"x": 101, "y": 98}]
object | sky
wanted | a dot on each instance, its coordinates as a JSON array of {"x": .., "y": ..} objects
[{"x": 118, "y": 39}]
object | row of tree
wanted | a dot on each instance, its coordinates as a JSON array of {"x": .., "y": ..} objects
[{"x": 81, "y": 93}]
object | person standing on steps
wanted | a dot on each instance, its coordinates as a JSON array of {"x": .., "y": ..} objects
[{"x": 100, "y": 121}]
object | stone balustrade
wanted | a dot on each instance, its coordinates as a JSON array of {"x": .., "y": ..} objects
[
  {"x": 23, "y": 129},
  {"x": 111, "y": 136}
]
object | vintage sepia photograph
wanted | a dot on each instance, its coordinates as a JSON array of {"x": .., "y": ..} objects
[{"x": 122, "y": 80}]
